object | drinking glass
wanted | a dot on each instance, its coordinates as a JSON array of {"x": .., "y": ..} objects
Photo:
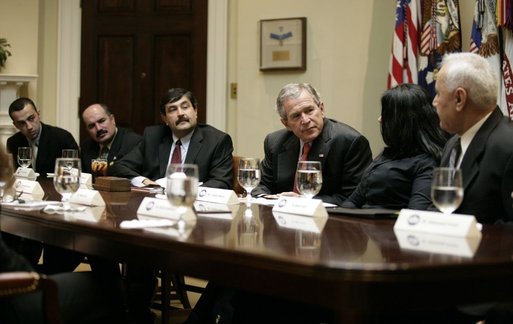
[
  {"x": 447, "y": 189},
  {"x": 182, "y": 188},
  {"x": 309, "y": 178},
  {"x": 66, "y": 179},
  {"x": 249, "y": 175},
  {"x": 24, "y": 156},
  {"x": 69, "y": 153}
]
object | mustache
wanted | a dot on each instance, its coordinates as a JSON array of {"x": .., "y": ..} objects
[
  {"x": 101, "y": 132},
  {"x": 182, "y": 119}
]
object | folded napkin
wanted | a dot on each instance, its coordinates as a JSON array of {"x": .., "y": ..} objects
[
  {"x": 138, "y": 223},
  {"x": 58, "y": 209}
]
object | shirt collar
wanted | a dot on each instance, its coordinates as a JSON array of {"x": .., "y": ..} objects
[{"x": 468, "y": 136}]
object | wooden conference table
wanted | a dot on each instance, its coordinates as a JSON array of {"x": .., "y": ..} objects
[{"x": 354, "y": 266}]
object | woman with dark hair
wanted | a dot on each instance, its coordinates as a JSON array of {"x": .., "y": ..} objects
[{"x": 400, "y": 177}]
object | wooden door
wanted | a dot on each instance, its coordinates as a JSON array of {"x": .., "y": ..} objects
[{"x": 134, "y": 50}]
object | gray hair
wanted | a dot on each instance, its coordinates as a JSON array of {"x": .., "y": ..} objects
[
  {"x": 473, "y": 73},
  {"x": 294, "y": 90}
]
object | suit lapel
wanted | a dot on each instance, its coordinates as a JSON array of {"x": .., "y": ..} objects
[
  {"x": 287, "y": 158},
  {"x": 470, "y": 163},
  {"x": 164, "y": 151},
  {"x": 320, "y": 147},
  {"x": 194, "y": 146},
  {"x": 116, "y": 145}
]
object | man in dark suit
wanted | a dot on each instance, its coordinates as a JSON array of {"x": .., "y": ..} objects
[
  {"x": 200, "y": 144},
  {"x": 466, "y": 99},
  {"x": 105, "y": 140},
  {"x": 343, "y": 152},
  {"x": 47, "y": 141}
]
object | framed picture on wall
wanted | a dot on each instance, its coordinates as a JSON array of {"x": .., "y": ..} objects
[{"x": 283, "y": 44}]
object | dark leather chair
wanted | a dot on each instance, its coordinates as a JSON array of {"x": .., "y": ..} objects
[{"x": 17, "y": 283}]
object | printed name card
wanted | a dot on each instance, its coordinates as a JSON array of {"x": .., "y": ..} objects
[
  {"x": 86, "y": 180},
  {"x": 26, "y": 173},
  {"x": 215, "y": 195},
  {"x": 437, "y": 223},
  {"x": 300, "y": 206},
  {"x": 441, "y": 244},
  {"x": 162, "y": 208},
  {"x": 87, "y": 197},
  {"x": 29, "y": 189},
  {"x": 302, "y": 223}
]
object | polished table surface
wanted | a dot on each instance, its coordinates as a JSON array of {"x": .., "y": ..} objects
[{"x": 353, "y": 266}]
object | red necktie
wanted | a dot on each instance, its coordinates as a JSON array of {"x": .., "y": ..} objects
[
  {"x": 177, "y": 153},
  {"x": 304, "y": 157}
]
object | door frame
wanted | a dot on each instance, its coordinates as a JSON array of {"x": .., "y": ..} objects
[{"x": 68, "y": 64}]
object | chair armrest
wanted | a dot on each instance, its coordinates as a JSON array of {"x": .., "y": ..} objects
[{"x": 18, "y": 283}]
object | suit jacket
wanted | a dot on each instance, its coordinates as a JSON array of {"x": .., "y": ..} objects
[
  {"x": 343, "y": 152},
  {"x": 51, "y": 143},
  {"x": 395, "y": 183},
  {"x": 209, "y": 148},
  {"x": 487, "y": 171},
  {"x": 123, "y": 143}
]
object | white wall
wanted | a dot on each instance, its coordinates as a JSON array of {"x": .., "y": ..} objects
[{"x": 348, "y": 48}]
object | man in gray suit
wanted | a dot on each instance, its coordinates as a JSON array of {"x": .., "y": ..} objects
[
  {"x": 466, "y": 98},
  {"x": 343, "y": 152},
  {"x": 200, "y": 144}
]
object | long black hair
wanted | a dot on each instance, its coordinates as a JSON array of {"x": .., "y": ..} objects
[{"x": 409, "y": 123}]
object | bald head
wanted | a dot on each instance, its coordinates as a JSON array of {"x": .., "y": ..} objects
[{"x": 100, "y": 123}]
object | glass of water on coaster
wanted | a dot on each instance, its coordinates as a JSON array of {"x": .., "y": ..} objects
[
  {"x": 309, "y": 178},
  {"x": 182, "y": 189},
  {"x": 249, "y": 175},
  {"x": 447, "y": 189}
]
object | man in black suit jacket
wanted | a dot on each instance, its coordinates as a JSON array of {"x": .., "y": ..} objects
[
  {"x": 466, "y": 103},
  {"x": 48, "y": 141},
  {"x": 105, "y": 139},
  {"x": 466, "y": 97},
  {"x": 343, "y": 152},
  {"x": 203, "y": 145}
]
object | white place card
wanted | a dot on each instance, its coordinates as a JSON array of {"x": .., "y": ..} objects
[
  {"x": 216, "y": 195},
  {"x": 162, "y": 208},
  {"x": 87, "y": 197},
  {"x": 437, "y": 223},
  {"x": 213, "y": 210},
  {"x": 302, "y": 223},
  {"x": 300, "y": 206},
  {"x": 28, "y": 189},
  {"x": 26, "y": 173},
  {"x": 441, "y": 244},
  {"x": 86, "y": 180}
]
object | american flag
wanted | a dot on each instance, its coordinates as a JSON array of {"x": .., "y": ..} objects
[{"x": 403, "y": 62}]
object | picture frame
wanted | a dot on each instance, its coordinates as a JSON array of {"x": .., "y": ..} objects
[{"x": 283, "y": 44}]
